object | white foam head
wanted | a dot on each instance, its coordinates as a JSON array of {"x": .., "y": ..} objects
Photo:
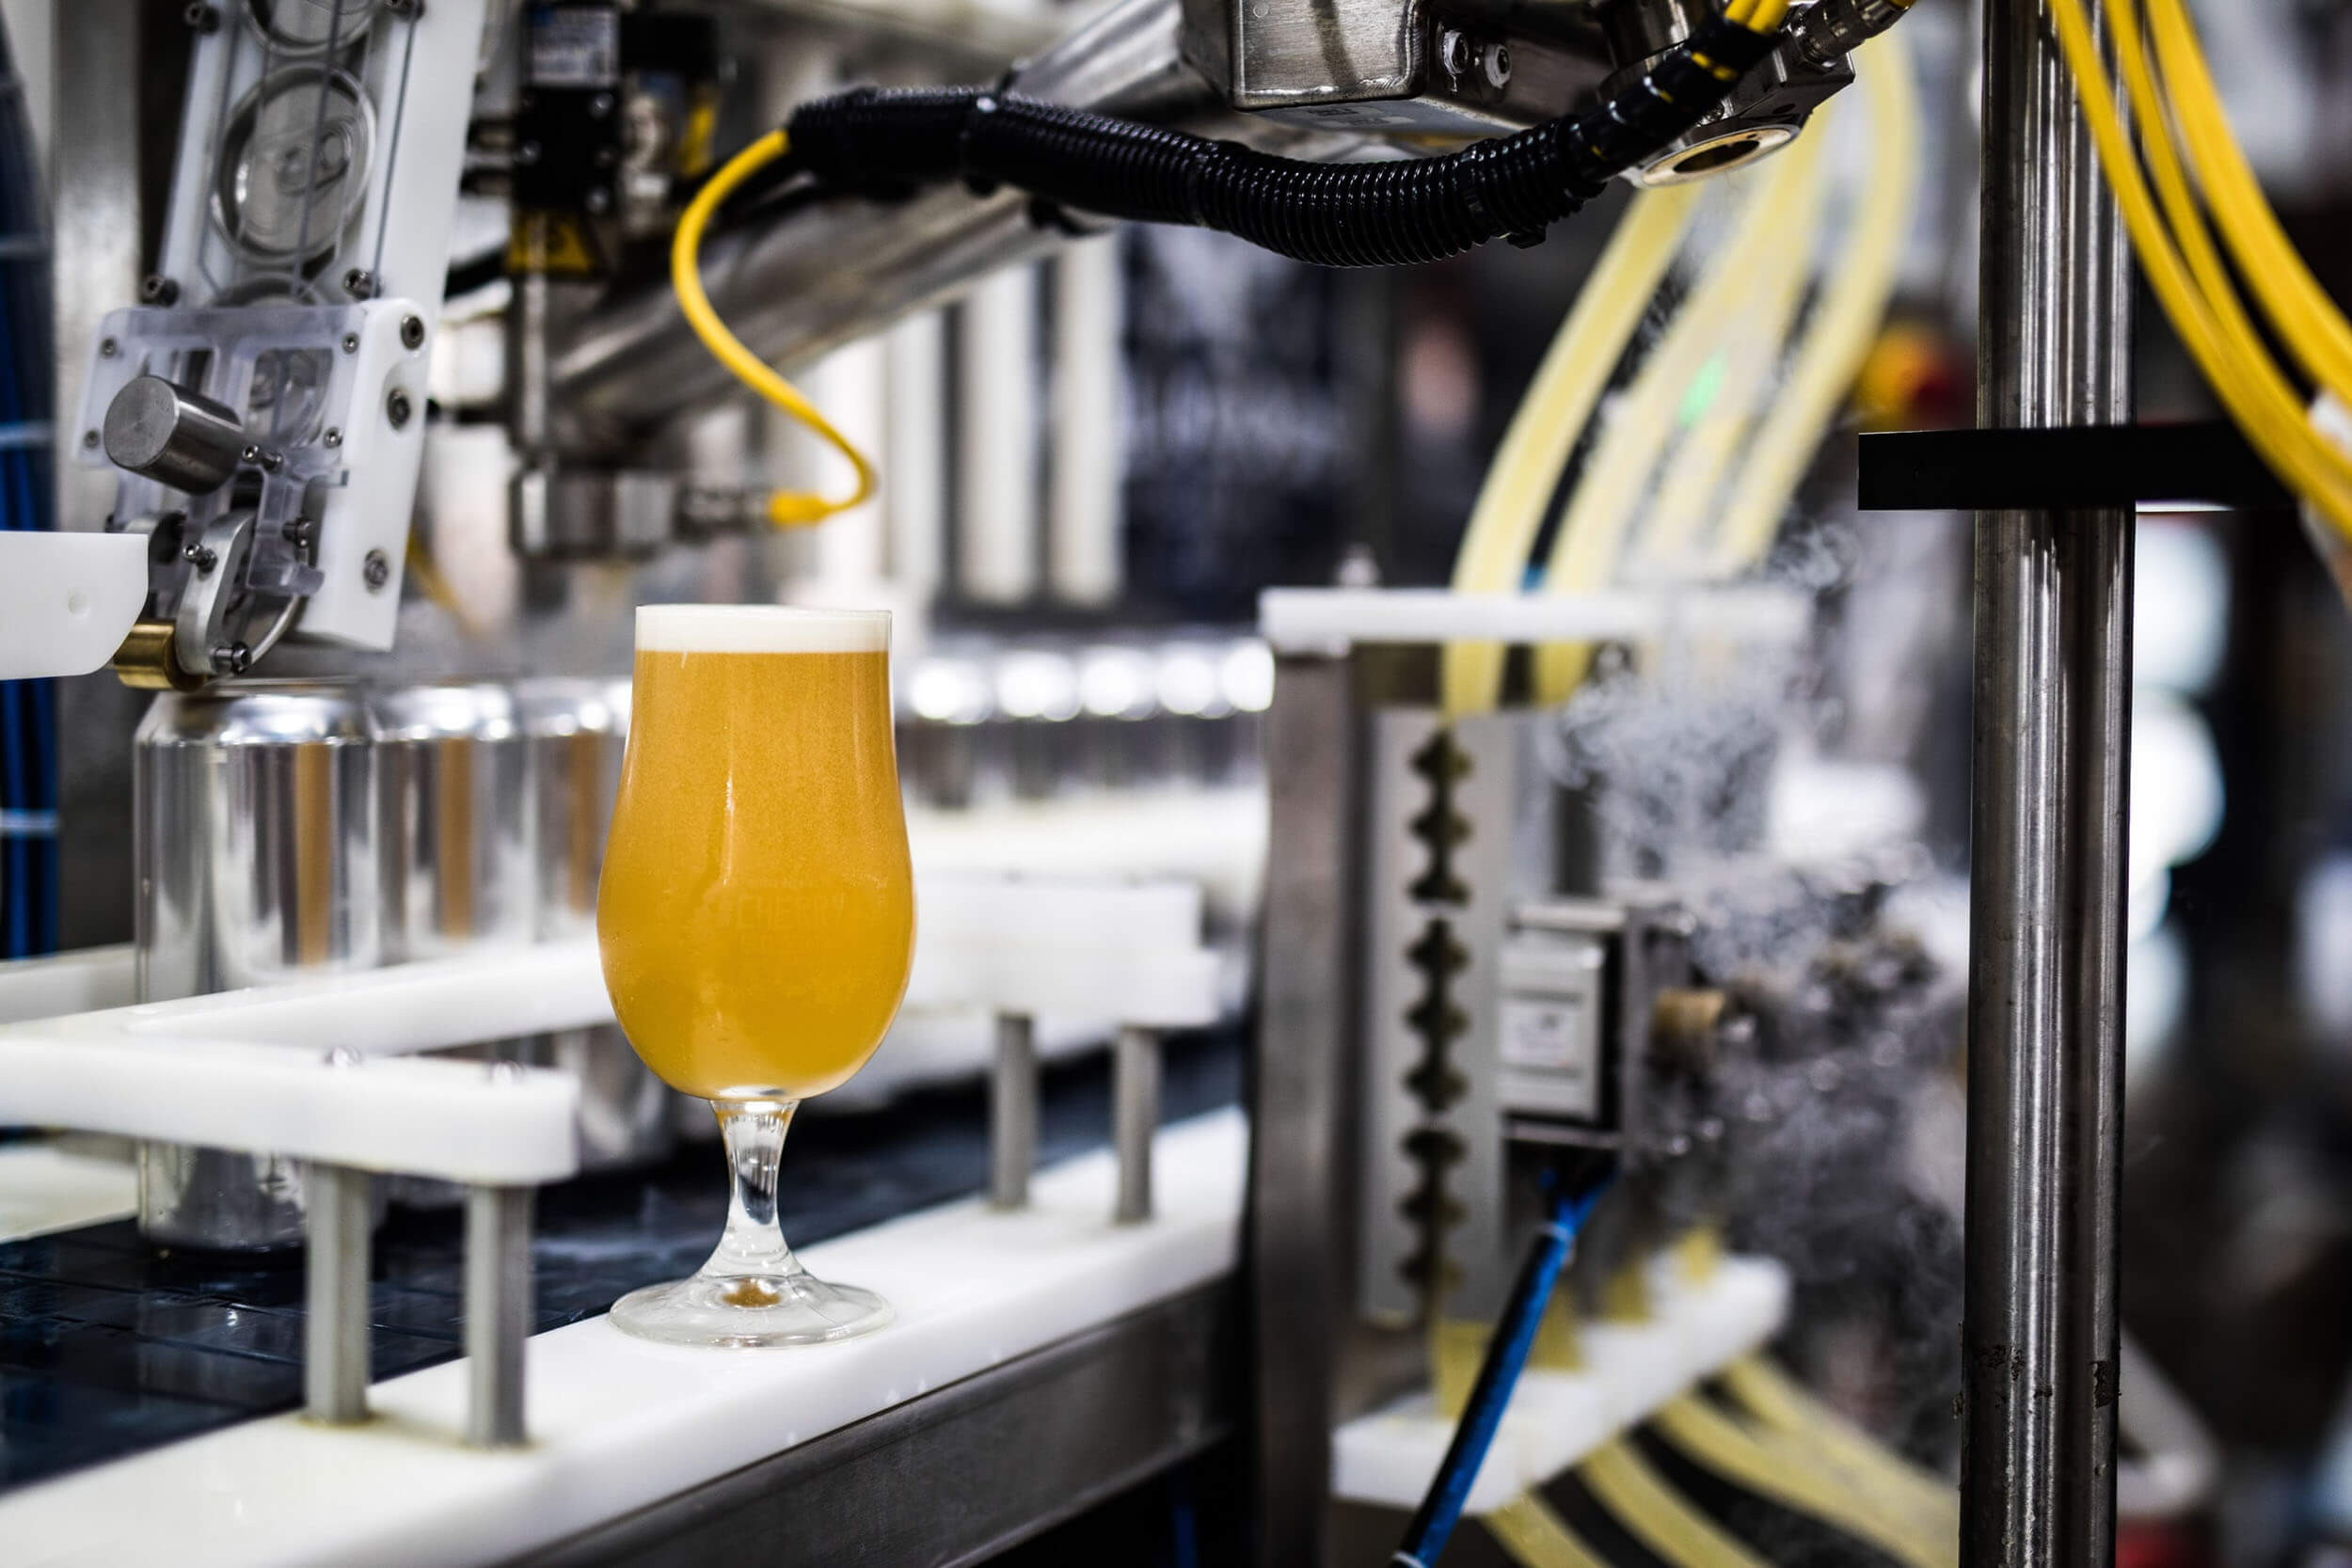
[{"x": 761, "y": 628}]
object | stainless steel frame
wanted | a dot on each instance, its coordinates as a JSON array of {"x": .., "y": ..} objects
[{"x": 2053, "y": 730}]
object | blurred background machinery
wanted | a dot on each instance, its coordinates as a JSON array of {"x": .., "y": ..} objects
[{"x": 403, "y": 438}]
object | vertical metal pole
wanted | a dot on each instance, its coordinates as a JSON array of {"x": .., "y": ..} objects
[
  {"x": 1303, "y": 1105},
  {"x": 1134, "y": 1116},
  {"x": 335, "y": 1329},
  {"x": 498, "y": 1312},
  {"x": 1012, "y": 1112},
  {"x": 2051, "y": 738}
]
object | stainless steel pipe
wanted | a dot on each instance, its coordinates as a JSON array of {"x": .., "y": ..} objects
[
  {"x": 2051, "y": 738},
  {"x": 1012, "y": 1111},
  {"x": 1135, "y": 1118}
]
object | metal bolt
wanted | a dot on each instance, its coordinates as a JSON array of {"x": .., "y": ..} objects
[
  {"x": 360, "y": 283},
  {"x": 1496, "y": 61},
  {"x": 375, "y": 571},
  {"x": 351, "y": 342},
  {"x": 199, "y": 558},
  {"x": 1454, "y": 51},
  {"x": 108, "y": 348},
  {"x": 397, "y": 407},
  {"x": 236, "y": 658},
  {"x": 600, "y": 105},
  {"x": 333, "y": 437},
  {"x": 297, "y": 531},
  {"x": 202, "y": 17},
  {"x": 158, "y": 289},
  {"x": 598, "y": 199},
  {"x": 412, "y": 332},
  {"x": 90, "y": 440},
  {"x": 527, "y": 154}
]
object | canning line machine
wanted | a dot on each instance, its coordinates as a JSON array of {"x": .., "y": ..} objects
[{"x": 374, "y": 413}]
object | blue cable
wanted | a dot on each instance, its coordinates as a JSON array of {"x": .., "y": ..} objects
[{"x": 1498, "y": 1374}]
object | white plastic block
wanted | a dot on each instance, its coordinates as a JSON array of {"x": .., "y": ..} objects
[{"x": 67, "y": 600}]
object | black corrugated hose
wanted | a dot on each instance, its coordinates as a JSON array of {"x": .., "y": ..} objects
[{"x": 885, "y": 143}]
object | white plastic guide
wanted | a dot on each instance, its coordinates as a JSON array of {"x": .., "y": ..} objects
[{"x": 67, "y": 600}]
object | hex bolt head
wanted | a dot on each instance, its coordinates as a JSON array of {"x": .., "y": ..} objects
[
  {"x": 201, "y": 17},
  {"x": 236, "y": 658},
  {"x": 375, "y": 571},
  {"x": 1454, "y": 51},
  {"x": 360, "y": 283},
  {"x": 108, "y": 348},
  {"x": 397, "y": 407},
  {"x": 412, "y": 332},
  {"x": 199, "y": 558},
  {"x": 156, "y": 288},
  {"x": 1496, "y": 61},
  {"x": 351, "y": 342},
  {"x": 333, "y": 437}
]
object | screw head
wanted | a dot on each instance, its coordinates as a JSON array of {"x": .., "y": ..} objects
[
  {"x": 397, "y": 407},
  {"x": 333, "y": 437},
  {"x": 158, "y": 289},
  {"x": 360, "y": 283},
  {"x": 412, "y": 332},
  {"x": 200, "y": 558},
  {"x": 90, "y": 440},
  {"x": 527, "y": 154},
  {"x": 375, "y": 571},
  {"x": 1497, "y": 61},
  {"x": 236, "y": 658},
  {"x": 202, "y": 17},
  {"x": 600, "y": 105},
  {"x": 598, "y": 199},
  {"x": 351, "y": 342},
  {"x": 108, "y": 348}
]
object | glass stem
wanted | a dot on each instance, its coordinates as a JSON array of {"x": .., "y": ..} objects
[{"x": 754, "y": 1245}]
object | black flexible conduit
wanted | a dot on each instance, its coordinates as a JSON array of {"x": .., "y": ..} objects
[{"x": 885, "y": 143}]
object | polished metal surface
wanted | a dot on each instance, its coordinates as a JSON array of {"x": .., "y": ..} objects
[
  {"x": 2052, "y": 738},
  {"x": 335, "y": 1322},
  {"x": 458, "y": 867},
  {"x": 959, "y": 1475},
  {"x": 1135, "y": 1117},
  {"x": 1012, "y": 1111},
  {"x": 173, "y": 434},
  {"x": 582, "y": 513},
  {"x": 255, "y": 841},
  {"x": 498, "y": 1313},
  {"x": 574, "y": 734},
  {"x": 794, "y": 290},
  {"x": 1304, "y": 1093}
]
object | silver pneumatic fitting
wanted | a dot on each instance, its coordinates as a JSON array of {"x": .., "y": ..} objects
[
  {"x": 173, "y": 435},
  {"x": 1828, "y": 31}
]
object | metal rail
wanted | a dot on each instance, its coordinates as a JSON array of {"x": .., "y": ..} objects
[{"x": 2052, "y": 722}]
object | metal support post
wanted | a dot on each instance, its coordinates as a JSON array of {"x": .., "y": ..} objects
[
  {"x": 335, "y": 1329},
  {"x": 2052, "y": 743},
  {"x": 1012, "y": 1112},
  {"x": 498, "y": 1312},
  {"x": 1134, "y": 1116}
]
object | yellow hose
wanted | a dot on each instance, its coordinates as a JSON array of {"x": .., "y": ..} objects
[
  {"x": 1526, "y": 467},
  {"x": 1656, "y": 1514},
  {"x": 2306, "y": 318},
  {"x": 785, "y": 508},
  {"x": 1751, "y": 353},
  {"x": 1781, "y": 1405},
  {"x": 1844, "y": 321},
  {"x": 2264, "y": 408},
  {"x": 1782, "y": 1472},
  {"x": 1528, "y": 1528},
  {"x": 1592, "y": 526}
]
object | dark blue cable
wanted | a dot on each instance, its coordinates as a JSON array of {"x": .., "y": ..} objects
[{"x": 1498, "y": 1374}]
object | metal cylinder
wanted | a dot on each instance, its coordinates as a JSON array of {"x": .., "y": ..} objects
[
  {"x": 254, "y": 837},
  {"x": 455, "y": 836},
  {"x": 2051, "y": 742},
  {"x": 173, "y": 434},
  {"x": 574, "y": 734}
]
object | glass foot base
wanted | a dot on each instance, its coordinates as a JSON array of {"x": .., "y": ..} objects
[{"x": 749, "y": 1311}]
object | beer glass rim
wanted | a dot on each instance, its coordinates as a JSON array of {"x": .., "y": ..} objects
[{"x": 761, "y": 628}]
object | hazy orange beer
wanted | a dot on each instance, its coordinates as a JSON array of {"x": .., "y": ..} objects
[
  {"x": 757, "y": 910},
  {"x": 756, "y": 917}
]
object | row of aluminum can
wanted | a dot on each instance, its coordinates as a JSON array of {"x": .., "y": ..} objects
[{"x": 290, "y": 829}]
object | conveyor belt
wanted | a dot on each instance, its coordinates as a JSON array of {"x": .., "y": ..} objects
[{"x": 108, "y": 1347}]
